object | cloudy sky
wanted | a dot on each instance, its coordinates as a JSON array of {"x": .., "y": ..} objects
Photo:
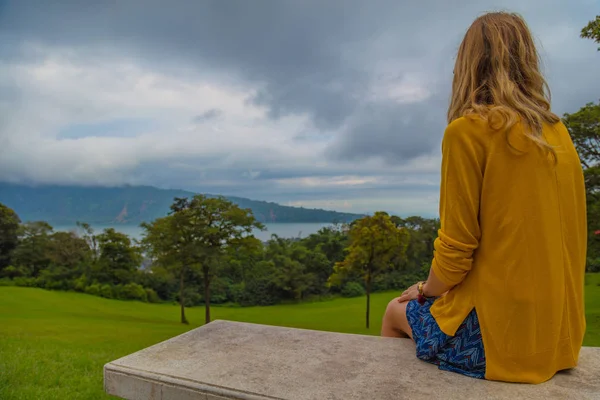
[{"x": 336, "y": 104}]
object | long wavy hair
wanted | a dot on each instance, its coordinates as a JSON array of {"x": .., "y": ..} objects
[{"x": 497, "y": 76}]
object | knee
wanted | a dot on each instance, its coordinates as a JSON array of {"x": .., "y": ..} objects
[
  {"x": 395, "y": 323},
  {"x": 392, "y": 303},
  {"x": 393, "y": 308}
]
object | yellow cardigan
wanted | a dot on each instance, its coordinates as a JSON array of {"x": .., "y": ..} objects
[{"x": 513, "y": 241}]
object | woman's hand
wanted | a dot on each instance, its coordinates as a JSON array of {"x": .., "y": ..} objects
[{"x": 409, "y": 294}]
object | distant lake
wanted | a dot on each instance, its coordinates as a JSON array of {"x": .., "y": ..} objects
[{"x": 284, "y": 230}]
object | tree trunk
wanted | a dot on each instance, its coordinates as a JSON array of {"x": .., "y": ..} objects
[
  {"x": 368, "y": 296},
  {"x": 181, "y": 299},
  {"x": 206, "y": 295}
]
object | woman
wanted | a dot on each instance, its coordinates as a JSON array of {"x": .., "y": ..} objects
[{"x": 504, "y": 297}]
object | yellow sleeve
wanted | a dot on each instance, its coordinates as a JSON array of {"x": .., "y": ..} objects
[{"x": 461, "y": 180}]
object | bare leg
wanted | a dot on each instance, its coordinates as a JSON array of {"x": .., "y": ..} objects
[{"x": 395, "y": 324}]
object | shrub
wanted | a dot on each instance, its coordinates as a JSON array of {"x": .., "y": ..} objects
[
  {"x": 6, "y": 282},
  {"x": 236, "y": 292},
  {"x": 13, "y": 272},
  {"x": 152, "y": 296},
  {"x": 353, "y": 289},
  {"x": 53, "y": 278},
  {"x": 260, "y": 292},
  {"x": 132, "y": 291},
  {"x": 80, "y": 283},
  {"x": 218, "y": 291},
  {"x": 23, "y": 281},
  {"x": 191, "y": 297},
  {"x": 93, "y": 289},
  {"x": 593, "y": 265},
  {"x": 50, "y": 284},
  {"x": 106, "y": 291}
]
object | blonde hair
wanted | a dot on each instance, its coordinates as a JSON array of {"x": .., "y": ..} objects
[{"x": 497, "y": 77}]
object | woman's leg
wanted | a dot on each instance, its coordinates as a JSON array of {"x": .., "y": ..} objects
[{"x": 395, "y": 323}]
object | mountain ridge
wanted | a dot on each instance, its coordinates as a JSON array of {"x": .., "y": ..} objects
[{"x": 129, "y": 205}]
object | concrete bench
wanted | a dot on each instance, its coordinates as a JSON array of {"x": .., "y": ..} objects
[{"x": 232, "y": 360}]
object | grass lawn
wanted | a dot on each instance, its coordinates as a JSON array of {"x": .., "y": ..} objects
[{"x": 53, "y": 344}]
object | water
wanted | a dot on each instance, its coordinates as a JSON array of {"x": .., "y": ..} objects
[{"x": 284, "y": 230}]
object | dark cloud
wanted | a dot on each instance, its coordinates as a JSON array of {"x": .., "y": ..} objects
[
  {"x": 307, "y": 57},
  {"x": 395, "y": 133},
  {"x": 208, "y": 115},
  {"x": 332, "y": 61}
]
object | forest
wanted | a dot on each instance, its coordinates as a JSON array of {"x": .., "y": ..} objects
[{"x": 203, "y": 252}]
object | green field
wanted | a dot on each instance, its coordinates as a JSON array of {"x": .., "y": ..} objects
[{"x": 53, "y": 344}]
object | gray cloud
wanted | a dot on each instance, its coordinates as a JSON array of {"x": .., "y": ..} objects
[
  {"x": 308, "y": 57},
  {"x": 208, "y": 115},
  {"x": 396, "y": 134},
  {"x": 331, "y": 61}
]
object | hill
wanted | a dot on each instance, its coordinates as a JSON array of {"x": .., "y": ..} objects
[{"x": 65, "y": 205}]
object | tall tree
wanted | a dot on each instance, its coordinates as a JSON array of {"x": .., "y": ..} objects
[
  {"x": 376, "y": 245},
  {"x": 9, "y": 234},
  {"x": 32, "y": 251},
  {"x": 199, "y": 233},
  {"x": 592, "y": 30},
  {"x": 68, "y": 250},
  {"x": 217, "y": 223},
  {"x": 68, "y": 257},
  {"x": 118, "y": 258},
  {"x": 242, "y": 255},
  {"x": 90, "y": 238},
  {"x": 584, "y": 128},
  {"x": 331, "y": 241},
  {"x": 422, "y": 235},
  {"x": 290, "y": 273},
  {"x": 167, "y": 241}
]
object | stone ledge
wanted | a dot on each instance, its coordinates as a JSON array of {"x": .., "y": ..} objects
[{"x": 233, "y": 360}]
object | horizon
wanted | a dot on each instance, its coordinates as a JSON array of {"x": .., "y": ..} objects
[
  {"x": 358, "y": 213},
  {"x": 336, "y": 106}
]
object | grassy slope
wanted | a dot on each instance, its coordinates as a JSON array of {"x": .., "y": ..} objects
[
  {"x": 592, "y": 310},
  {"x": 53, "y": 345}
]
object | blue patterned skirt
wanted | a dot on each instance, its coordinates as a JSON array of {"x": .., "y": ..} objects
[{"x": 462, "y": 353}]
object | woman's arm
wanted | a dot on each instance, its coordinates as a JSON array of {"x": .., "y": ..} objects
[
  {"x": 434, "y": 287},
  {"x": 463, "y": 160}
]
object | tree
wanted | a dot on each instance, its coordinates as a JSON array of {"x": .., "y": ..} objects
[
  {"x": 118, "y": 259},
  {"x": 217, "y": 223},
  {"x": 289, "y": 274},
  {"x": 32, "y": 251},
  {"x": 592, "y": 30},
  {"x": 584, "y": 128},
  {"x": 68, "y": 250},
  {"x": 9, "y": 234},
  {"x": 376, "y": 244},
  {"x": 324, "y": 249},
  {"x": 167, "y": 242},
  {"x": 90, "y": 238},
  {"x": 241, "y": 256},
  {"x": 67, "y": 255},
  {"x": 331, "y": 241},
  {"x": 422, "y": 235},
  {"x": 317, "y": 268},
  {"x": 199, "y": 233}
]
